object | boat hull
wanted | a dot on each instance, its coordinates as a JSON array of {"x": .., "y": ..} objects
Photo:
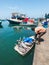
[
  {"x": 22, "y": 53},
  {"x": 13, "y": 22},
  {"x": 34, "y": 25}
]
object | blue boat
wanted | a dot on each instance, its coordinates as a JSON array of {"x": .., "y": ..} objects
[{"x": 25, "y": 45}]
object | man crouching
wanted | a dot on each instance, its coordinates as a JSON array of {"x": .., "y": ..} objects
[{"x": 40, "y": 31}]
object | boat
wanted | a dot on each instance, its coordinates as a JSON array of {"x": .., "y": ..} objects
[
  {"x": 16, "y": 18},
  {"x": 23, "y": 47},
  {"x": 14, "y": 21},
  {"x": 30, "y": 23}
]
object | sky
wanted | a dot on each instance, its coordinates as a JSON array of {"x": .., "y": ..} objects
[{"x": 32, "y": 8}]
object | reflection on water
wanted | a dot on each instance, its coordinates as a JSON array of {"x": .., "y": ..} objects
[
  {"x": 8, "y": 37},
  {"x": 1, "y": 26}
]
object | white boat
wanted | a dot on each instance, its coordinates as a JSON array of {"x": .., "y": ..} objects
[
  {"x": 24, "y": 46},
  {"x": 28, "y": 24},
  {"x": 14, "y": 21},
  {"x": 16, "y": 18}
]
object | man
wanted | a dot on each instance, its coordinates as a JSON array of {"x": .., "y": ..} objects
[{"x": 40, "y": 31}]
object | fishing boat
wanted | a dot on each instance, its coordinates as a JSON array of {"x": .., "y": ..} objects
[
  {"x": 29, "y": 22},
  {"x": 16, "y": 18},
  {"x": 23, "y": 47},
  {"x": 14, "y": 21}
]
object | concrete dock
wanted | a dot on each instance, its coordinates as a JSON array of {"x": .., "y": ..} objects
[{"x": 41, "y": 55}]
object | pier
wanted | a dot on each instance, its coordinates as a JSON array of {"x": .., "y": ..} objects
[{"x": 41, "y": 55}]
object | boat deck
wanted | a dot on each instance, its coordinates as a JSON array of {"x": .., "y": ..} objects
[{"x": 22, "y": 51}]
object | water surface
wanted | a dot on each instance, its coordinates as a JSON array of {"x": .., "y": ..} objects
[{"x": 8, "y": 36}]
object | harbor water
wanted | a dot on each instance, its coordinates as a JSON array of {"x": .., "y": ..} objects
[{"x": 9, "y": 34}]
